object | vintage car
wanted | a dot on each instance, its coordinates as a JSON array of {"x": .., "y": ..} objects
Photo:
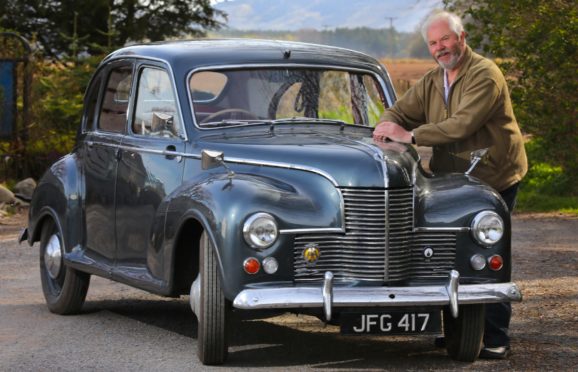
[{"x": 244, "y": 173}]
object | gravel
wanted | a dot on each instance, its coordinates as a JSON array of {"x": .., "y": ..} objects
[{"x": 124, "y": 329}]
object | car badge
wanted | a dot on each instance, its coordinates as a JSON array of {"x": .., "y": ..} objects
[
  {"x": 311, "y": 254},
  {"x": 428, "y": 252}
]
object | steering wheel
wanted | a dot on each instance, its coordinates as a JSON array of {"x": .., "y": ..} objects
[{"x": 232, "y": 114}]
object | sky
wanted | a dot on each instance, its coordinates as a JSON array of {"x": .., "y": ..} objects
[{"x": 404, "y": 15}]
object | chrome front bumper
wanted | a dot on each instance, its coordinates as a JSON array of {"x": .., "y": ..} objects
[{"x": 328, "y": 297}]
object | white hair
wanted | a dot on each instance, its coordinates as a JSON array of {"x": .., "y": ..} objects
[{"x": 454, "y": 22}]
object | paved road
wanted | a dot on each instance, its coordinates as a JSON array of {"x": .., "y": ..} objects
[{"x": 124, "y": 329}]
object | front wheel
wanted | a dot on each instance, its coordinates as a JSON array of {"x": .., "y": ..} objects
[
  {"x": 464, "y": 334},
  {"x": 64, "y": 288},
  {"x": 213, "y": 308}
]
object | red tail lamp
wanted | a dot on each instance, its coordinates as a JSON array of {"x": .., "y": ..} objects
[
  {"x": 496, "y": 262},
  {"x": 251, "y": 265}
]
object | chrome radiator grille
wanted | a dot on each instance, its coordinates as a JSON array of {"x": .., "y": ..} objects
[{"x": 371, "y": 251}]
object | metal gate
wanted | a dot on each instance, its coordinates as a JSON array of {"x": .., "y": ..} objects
[{"x": 14, "y": 86}]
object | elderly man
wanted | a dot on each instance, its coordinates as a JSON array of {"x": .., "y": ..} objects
[{"x": 458, "y": 107}]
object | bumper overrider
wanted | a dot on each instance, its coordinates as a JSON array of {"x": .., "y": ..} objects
[{"x": 329, "y": 297}]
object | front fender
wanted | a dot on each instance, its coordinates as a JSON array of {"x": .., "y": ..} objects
[
  {"x": 297, "y": 200},
  {"x": 451, "y": 202}
]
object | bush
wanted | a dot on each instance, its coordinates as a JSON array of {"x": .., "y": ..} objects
[
  {"x": 56, "y": 111},
  {"x": 545, "y": 187}
]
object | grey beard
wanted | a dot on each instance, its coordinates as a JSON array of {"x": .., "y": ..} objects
[{"x": 452, "y": 64}]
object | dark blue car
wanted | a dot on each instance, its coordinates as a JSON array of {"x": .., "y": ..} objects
[{"x": 243, "y": 173}]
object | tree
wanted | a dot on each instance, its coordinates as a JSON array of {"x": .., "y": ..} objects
[
  {"x": 536, "y": 43},
  {"x": 67, "y": 27}
]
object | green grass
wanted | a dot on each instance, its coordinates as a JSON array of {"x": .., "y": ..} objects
[
  {"x": 532, "y": 201},
  {"x": 546, "y": 187}
]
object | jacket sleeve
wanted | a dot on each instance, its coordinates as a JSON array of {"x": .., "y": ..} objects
[{"x": 480, "y": 99}]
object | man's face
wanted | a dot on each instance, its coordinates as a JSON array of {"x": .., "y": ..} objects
[{"x": 444, "y": 45}]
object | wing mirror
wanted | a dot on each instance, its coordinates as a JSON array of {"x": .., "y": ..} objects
[
  {"x": 211, "y": 159},
  {"x": 162, "y": 121},
  {"x": 475, "y": 158}
]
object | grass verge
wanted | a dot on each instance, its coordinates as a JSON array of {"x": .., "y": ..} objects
[{"x": 530, "y": 201}]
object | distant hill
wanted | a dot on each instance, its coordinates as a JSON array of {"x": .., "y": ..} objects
[
  {"x": 293, "y": 15},
  {"x": 376, "y": 42}
]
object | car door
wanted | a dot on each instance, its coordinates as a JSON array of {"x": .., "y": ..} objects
[
  {"x": 147, "y": 174},
  {"x": 100, "y": 152}
]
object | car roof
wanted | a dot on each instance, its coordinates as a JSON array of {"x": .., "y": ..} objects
[{"x": 207, "y": 52}]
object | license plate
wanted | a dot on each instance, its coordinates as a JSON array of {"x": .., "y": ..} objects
[{"x": 391, "y": 322}]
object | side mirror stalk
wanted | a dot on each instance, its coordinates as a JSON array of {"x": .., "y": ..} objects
[{"x": 475, "y": 158}]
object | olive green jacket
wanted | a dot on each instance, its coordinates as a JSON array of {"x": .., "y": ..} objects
[{"x": 479, "y": 114}]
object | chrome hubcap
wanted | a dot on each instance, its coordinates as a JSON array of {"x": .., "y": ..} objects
[{"x": 53, "y": 257}]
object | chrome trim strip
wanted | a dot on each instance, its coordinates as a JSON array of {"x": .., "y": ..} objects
[
  {"x": 149, "y": 151},
  {"x": 237, "y": 161},
  {"x": 283, "y": 165},
  {"x": 312, "y": 297},
  {"x": 387, "y": 232},
  {"x": 440, "y": 229},
  {"x": 313, "y": 230},
  {"x": 281, "y": 65}
]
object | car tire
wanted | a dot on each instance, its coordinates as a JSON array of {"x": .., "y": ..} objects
[
  {"x": 214, "y": 310},
  {"x": 464, "y": 334},
  {"x": 64, "y": 288}
]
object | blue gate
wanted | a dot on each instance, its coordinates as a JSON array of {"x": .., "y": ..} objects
[
  {"x": 14, "y": 86},
  {"x": 7, "y": 98}
]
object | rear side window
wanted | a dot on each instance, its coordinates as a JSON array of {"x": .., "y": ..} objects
[{"x": 113, "y": 112}]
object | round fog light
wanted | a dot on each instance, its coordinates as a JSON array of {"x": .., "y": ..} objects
[
  {"x": 496, "y": 262},
  {"x": 478, "y": 262},
  {"x": 251, "y": 265},
  {"x": 270, "y": 265}
]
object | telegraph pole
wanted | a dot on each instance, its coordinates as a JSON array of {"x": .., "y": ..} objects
[
  {"x": 391, "y": 21},
  {"x": 391, "y": 40}
]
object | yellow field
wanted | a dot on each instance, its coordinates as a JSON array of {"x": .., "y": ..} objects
[
  {"x": 408, "y": 69},
  {"x": 405, "y": 72}
]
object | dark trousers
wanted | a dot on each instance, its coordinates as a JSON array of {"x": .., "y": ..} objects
[{"x": 498, "y": 315}]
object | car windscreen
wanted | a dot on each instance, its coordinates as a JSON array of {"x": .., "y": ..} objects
[{"x": 266, "y": 95}]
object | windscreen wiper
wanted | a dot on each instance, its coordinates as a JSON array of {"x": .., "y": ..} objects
[
  {"x": 228, "y": 122},
  {"x": 309, "y": 120}
]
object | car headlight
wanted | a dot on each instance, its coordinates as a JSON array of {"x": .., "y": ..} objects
[
  {"x": 488, "y": 228},
  {"x": 260, "y": 230}
]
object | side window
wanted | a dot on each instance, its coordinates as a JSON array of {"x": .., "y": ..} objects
[
  {"x": 156, "y": 111},
  {"x": 113, "y": 113}
]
